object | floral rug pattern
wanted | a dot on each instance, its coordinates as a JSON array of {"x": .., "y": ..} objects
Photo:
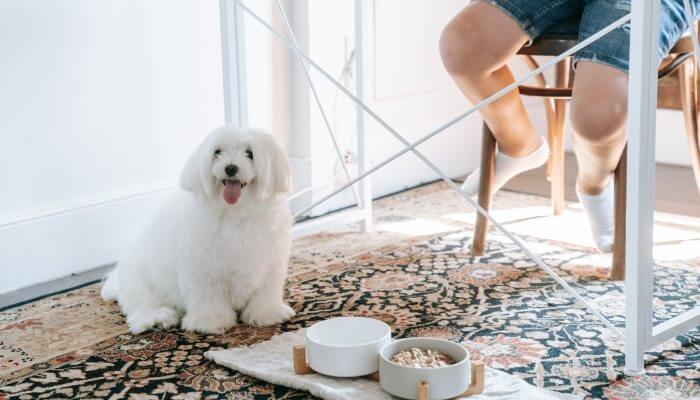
[{"x": 415, "y": 273}]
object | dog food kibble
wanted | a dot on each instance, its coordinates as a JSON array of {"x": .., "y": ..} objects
[{"x": 419, "y": 358}]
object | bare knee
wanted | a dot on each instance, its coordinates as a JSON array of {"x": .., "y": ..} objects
[
  {"x": 469, "y": 46},
  {"x": 599, "y": 121},
  {"x": 599, "y": 103},
  {"x": 461, "y": 51}
]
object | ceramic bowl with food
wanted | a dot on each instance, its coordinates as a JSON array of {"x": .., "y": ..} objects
[
  {"x": 445, "y": 368},
  {"x": 346, "y": 346}
]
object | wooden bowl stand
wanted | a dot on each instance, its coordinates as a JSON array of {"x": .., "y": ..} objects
[{"x": 301, "y": 367}]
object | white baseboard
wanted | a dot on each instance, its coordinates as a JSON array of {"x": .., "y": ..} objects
[
  {"x": 49, "y": 247},
  {"x": 72, "y": 281}
]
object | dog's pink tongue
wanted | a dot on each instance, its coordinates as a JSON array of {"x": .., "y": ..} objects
[{"x": 232, "y": 191}]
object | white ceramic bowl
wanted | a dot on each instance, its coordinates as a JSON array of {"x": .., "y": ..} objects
[
  {"x": 444, "y": 382},
  {"x": 346, "y": 346}
]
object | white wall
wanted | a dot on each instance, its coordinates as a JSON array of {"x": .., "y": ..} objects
[{"x": 100, "y": 102}]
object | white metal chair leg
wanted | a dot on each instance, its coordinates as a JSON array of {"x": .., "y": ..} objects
[
  {"x": 640, "y": 332},
  {"x": 640, "y": 183},
  {"x": 365, "y": 185},
  {"x": 233, "y": 66}
]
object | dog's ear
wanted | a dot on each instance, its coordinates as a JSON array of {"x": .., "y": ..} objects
[
  {"x": 196, "y": 177},
  {"x": 272, "y": 170}
]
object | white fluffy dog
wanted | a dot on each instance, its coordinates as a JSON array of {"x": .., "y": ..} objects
[{"x": 218, "y": 247}]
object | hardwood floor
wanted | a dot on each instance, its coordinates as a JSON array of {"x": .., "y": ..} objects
[{"x": 676, "y": 192}]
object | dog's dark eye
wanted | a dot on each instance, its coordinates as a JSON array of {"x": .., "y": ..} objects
[
  {"x": 249, "y": 153},
  {"x": 217, "y": 152}
]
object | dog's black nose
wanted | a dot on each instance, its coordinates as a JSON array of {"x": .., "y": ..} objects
[{"x": 231, "y": 170}]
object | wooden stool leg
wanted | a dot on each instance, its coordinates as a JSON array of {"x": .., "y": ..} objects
[
  {"x": 556, "y": 141},
  {"x": 689, "y": 100},
  {"x": 477, "y": 382},
  {"x": 423, "y": 389},
  {"x": 299, "y": 360},
  {"x": 488, "y": 159},
  {"x": 617, "y": 272}
]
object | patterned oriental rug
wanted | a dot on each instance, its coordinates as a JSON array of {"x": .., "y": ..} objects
[{"x": 414, "y": 272}]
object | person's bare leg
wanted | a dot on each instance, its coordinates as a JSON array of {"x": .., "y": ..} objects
[
  {"x": 475, "y": 55},
  {"x": 598, "y": 117}
]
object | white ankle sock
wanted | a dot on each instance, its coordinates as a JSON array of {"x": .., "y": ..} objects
[
  {"x": 599, "y": 209},
  {"x": 507, "y": 167}
]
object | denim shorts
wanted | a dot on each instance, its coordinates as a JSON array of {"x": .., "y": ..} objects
[{"x": 586, "y": 17}]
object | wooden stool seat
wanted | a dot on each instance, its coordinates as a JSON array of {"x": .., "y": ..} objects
[
  {"x": 549, "y": 44},
  {"x": 553, "y": 44},
  {"x": 680, "y": 59}
]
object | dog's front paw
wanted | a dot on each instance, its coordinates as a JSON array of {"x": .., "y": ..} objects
[
  {"x": 210, "y": 323},
  {"x": 266, "y": 314},
  {"x": 142, "y": 320}
]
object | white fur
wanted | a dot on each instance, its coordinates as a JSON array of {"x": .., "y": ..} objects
[{"x": 202, "y": 261}]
